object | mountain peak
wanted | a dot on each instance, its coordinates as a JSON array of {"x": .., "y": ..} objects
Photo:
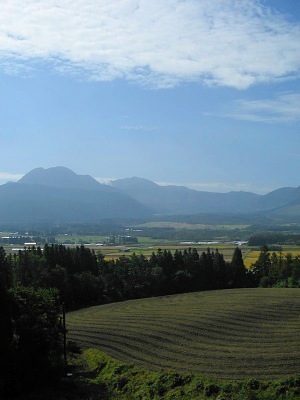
[
  {"x": 60, "y": 177},
  {"x": 133, "y": 182},
  {"x": 39, "y": 172}
]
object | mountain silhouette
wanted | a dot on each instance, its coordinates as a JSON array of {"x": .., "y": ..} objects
[{"x": 59, "y": 195}]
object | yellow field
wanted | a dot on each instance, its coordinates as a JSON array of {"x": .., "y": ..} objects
[
  {"x": 252, "y": 255},
  {"x": 249, "y": 255},
  {"x": 114, "y": 252}
]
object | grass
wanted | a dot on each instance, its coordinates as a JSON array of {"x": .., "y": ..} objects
[
  {"x": 108, "y": 378},
  {"x": 232, "y": 334}
]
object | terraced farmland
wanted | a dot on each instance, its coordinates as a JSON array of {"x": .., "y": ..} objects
[{"x": 228, "y": 334}]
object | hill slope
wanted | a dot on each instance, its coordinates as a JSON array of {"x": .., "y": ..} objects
[
  {"x": 181, "y": 200},
  {"x": 230, "y": 334},
  {"x": 58, "y": 195}
]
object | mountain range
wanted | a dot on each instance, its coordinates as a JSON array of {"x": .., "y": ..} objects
[{"x": 58, "y": 195}]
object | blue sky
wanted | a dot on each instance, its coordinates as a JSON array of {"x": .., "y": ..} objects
[{"x": 201, "y": 93}]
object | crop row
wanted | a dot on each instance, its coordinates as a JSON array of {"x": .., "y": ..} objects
[{"x": 224, "y": 334}]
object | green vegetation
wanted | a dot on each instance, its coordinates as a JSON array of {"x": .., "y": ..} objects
[
  {"x": 158, "y": 230},
  {"x": 31, "y": 339},
  {"x": 30, "y": 335},
  {"x": 231, "y": 334},
  {"x": 214, "y": 333},
  {"x": 112, "y": 379},
  {"x": 269, "y": 238},
  {"x": 85, "y": 278},
  {"x": 277, "y": 269}
]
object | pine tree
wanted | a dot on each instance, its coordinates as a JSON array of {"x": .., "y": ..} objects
[{"x": 238, "y": 270}]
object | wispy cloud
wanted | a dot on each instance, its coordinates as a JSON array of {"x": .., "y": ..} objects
[
  {"x": 155, "y": 43},
  {"x": 145, "y": 128},
  {"x": 7, "y": 176},
  {"x": 284, "y": 108},
  {"x": 105, "y": 181},
  {"x": 219, "y": 187}
]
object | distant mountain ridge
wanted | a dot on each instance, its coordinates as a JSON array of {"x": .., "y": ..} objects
[
  {"x": 181, "y": 200},
  {"x": 61, "y": 177},
  {"x": 59, "y": 195}
]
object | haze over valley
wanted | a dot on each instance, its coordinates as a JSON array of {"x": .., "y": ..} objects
[{"x": 59, "y": 195}]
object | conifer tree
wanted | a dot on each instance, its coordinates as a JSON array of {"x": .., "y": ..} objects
[{"x": 238, "y": 270}]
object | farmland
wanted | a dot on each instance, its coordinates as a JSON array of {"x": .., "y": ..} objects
[
  {"x": 200, "y": 233},
  {"x": 232, "y": 334},
  {"x": 251, "y": 255},
  {"x": 114, "y": 252},
  {"x": 147, "y": 247}
]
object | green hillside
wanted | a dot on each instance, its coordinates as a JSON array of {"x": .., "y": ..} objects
[{"x": 228, "y": 334}]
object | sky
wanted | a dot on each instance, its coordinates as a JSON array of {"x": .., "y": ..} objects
[{"x": 200, "y": 93}]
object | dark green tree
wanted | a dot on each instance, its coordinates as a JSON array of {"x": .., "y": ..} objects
[
  {"x": 219, "y": 270},
  {"x": 38, "y": 335},
  {"x": 238, "y": 270},
  {"x": 6, "y": 326},
  {"x": 262, "y": 267}
]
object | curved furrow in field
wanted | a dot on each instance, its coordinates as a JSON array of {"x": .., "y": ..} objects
[
  {"x": 172, "y": 333},
  {"x": 190, "y": 322},
  {"x": 188, "y": 350},
  {"x": 162, "y": 354},
  {"x": 205, "y": 337},
  {"x": 248, "y": 332},
  {"x": 232, "y": 331}
]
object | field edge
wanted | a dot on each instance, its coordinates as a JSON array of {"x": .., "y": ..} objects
[{"x": 114, "y": 379}]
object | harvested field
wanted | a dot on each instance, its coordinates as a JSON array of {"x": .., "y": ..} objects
[{"x": 228, "y": 334}]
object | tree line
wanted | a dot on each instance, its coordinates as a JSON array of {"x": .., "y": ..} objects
[
  {"x": 30, "y": 336},
  {"x": 276, "y": 269},
  {"x": 83, "y": 277},
  {"x": 273, "y": 238}
]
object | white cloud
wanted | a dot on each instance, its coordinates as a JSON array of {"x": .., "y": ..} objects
[
  {"x": 158, "y": 43},
  {"x": 7, "y": 176},
  {"x": 284, "y": 108},
  {"x": 145, "y": 128},
  {"x": 105, "y": 181}
]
